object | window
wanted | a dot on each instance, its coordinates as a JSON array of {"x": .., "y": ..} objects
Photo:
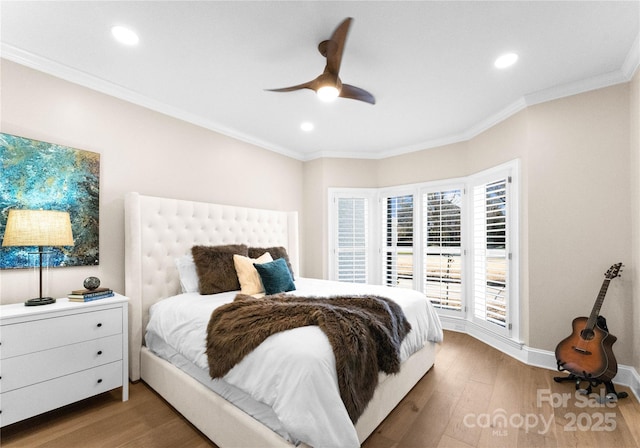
[
  {"x": 352, "y": 240},
  {"x": 455, "y": 240},
  {"x": 398, "y": 242},
  {"x": 491, "y": 252},
  {"x": 350, "y": 236},
  {"x": 442, "y": 248}
]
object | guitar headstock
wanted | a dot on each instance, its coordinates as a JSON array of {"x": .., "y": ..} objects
[{"x": 614, "y": 271}]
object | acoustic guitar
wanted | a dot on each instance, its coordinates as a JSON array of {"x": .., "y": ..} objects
[{"x": 587, "y": 353}]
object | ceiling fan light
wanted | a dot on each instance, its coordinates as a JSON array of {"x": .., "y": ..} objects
[{"x": 328, "y": 93}]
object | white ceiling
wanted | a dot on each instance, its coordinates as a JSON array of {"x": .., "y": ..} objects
[{"x": 428, "y": 63}]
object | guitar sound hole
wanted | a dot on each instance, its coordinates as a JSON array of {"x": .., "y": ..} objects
[{"x": 587, "y": 334}]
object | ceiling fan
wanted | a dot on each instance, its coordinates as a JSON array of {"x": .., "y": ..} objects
[{"x": 328, "y": 85}]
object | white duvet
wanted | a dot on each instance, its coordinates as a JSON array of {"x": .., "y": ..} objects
[{"x": 294, "y": 371}]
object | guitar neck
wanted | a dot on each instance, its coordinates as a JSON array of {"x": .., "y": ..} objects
[{"x": 595, "y": 312}]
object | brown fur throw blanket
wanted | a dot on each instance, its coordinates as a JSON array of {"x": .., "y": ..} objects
[{"x": 365, "y": 333}]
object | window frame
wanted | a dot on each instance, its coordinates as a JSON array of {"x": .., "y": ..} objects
[
  {"x": 511, "y": 172},
  {"x": 377, "y": 223}
]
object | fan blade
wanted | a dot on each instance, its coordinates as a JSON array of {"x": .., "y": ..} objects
[
  {"x": 356, "y": 93},
  {"x": 306, "y": 85},
  {"x": 335, "y": 46}
]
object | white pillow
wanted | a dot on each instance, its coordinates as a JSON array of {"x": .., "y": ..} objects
[
  {"x": 250, "y": 282},
  {"x": 187, "y": 272}
]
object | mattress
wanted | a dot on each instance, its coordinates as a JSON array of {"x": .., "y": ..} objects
[{"x": 289, "y": 382}]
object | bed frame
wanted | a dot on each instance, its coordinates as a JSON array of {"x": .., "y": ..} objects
[{"x": 159, "y": 230}]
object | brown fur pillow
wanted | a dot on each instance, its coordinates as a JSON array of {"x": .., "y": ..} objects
[
  {"x": 215, "y": 268},
  {"x": 276, "y": 252}
]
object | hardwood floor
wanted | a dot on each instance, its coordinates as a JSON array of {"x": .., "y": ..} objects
[
  {"x": 459, "y": 403},
  {"x": 146, "y": 420}
]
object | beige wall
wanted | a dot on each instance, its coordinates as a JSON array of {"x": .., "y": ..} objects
[
  {"x": 507, "y": 141},
  {"x": 575, "y": 205},
  {"x": 319, "y": 175},
  {"x": 141, "y": 151},
  {"x": 579, "y": 222},
  {"x": 577, "y": 200},
  {"x": 445, "y": 162},
  {"x": 634, "y": 269}
]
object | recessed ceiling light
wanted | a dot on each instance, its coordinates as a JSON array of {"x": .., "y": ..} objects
[
  {"x": 506, "y": 60},
  {"x": 306, "y": 126},
  {"x": 124, "y": 35}
]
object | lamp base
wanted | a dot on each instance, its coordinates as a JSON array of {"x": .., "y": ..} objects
[{"x": 40, "y": 301}]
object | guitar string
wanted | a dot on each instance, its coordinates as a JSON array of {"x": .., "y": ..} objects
[{"x": 583, "y": 343}]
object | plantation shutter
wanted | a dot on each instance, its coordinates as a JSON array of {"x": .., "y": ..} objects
[
  {"x": 442, "y": 236},
  {"x": 398, "y": 241},
  {"x": 491, "y": 256},
  {"x": 352, "y": 239}
]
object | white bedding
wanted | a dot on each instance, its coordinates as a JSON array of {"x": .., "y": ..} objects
[{"x": 292, "y": 372}]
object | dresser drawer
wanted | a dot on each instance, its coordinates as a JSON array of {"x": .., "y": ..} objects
[
  {"x": 21, "y": 371},
  {"x": 43, "y": 334},
  {"x": 25, "y": 402}
]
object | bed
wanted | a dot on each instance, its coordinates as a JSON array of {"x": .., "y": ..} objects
[{"x": 158, "y": 231}]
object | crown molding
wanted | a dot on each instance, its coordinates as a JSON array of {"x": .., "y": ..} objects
[
  {"x": 624, "y": 74},
  {"x": 92, "y": 82},
  {"x": 632, "y": 61},
  {"x": 384, "y": 154},
  {"x": 464, "y": 136},
  {"x": 577, "y": 87},
  {"x": 554, "y": 93}
]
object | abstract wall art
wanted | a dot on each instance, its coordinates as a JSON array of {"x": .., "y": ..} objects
[{"x": 46, "y": 176}]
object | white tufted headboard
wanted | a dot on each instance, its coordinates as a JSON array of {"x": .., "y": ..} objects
[{"x": 159, "y": 230}]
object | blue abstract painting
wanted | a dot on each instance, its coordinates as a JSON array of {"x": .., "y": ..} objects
[{"x": 44, "y": 176}]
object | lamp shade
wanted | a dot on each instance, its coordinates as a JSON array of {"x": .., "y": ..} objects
[{"x": 38, "y": 228}]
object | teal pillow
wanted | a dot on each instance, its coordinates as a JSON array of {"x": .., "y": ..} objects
[{"x": 275, "y": 276}]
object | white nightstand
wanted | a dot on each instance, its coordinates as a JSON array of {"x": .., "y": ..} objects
[{"x": 53, "y": 355}]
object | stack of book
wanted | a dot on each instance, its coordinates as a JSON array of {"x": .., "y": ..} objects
[{"x": 87, "y": 295}]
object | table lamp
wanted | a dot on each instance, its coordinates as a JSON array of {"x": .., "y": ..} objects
[{"x": 38, "y": 228}]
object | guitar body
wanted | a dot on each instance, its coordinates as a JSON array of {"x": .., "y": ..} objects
[{"x": 588, "y": 352}]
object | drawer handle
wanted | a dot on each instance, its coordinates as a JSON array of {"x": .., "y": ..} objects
[
  {"x": 99, "y": 324},
  {"x": 99, "y": 352},
  {"x": 100, "y": 381}
]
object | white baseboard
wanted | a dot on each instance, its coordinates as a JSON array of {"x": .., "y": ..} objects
[{"x": 627, "y": 375}]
